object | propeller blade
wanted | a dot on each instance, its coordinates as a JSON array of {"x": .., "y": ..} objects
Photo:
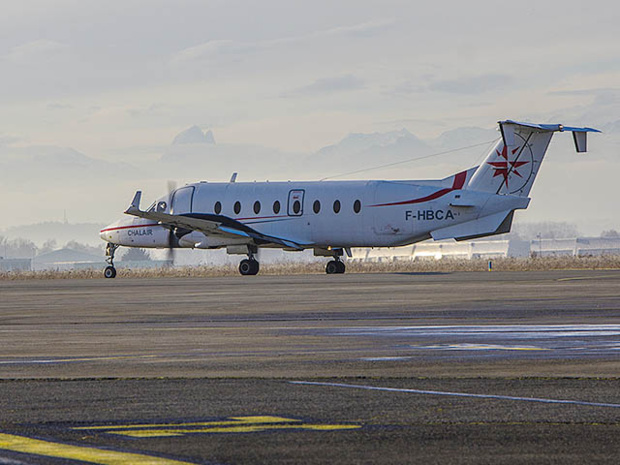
[
  {"x": 170, "y": 251},
  {"x": 172, "y": 185}
]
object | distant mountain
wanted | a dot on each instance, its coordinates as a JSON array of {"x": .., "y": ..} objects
[
  {"x": 193, "y": 155},
  {"x": 51, "y": 165},
  {"x": 194, "y": 135},
  {"x": 367, "y": 150},
  {"x": 463, "y": 137},
  {"x": 394, "y": 142}
]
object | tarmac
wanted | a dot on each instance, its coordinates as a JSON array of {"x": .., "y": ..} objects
[{"x": 495, "y": 367}]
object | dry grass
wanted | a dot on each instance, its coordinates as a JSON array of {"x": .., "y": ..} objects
[{"x": 446, "y": 265}]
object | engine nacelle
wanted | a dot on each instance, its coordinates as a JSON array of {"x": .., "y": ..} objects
[{"x": 198, "y": 240}]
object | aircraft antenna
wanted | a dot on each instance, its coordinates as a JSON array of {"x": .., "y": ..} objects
[{"x": 410, "y": 160}]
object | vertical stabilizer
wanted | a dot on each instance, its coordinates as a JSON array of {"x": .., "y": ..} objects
[{"x": 512, "y": 165}]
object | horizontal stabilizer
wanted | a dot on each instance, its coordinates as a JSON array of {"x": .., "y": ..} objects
[
  {"x": 508, "y": 128},
  {"x": 486, "y": 226}
]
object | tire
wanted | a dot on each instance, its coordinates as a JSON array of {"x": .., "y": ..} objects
[
  {"x": 341, "y": 267},
  {"x": 255, "y": 267},
  {"x": 248, "y": 267},
  {"x": 109, "y": 272},
  {"x": 331, "y": 267}
]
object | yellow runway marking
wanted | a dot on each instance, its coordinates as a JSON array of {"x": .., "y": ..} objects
[
  {"x": 153, "y": 433},
  {"x": 251, "y": 424},
  {"x": 233, "y": 421},
  {"x": 478, "y": 347},
  {"x": 82, "y": 453},
  {"x": 494, "y": 347}
]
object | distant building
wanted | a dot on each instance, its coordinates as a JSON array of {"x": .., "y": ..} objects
[
  {"x": 15, "y": 264},
  {"x": 69, "y": 259},
  {"x": 438, "y": 250},
  {"x": 578, "y": 247}
]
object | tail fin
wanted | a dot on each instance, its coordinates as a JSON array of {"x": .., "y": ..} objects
[{"x": 511, "y": 167}]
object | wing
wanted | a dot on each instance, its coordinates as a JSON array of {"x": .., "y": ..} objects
[{"x": 211, "y": 225}]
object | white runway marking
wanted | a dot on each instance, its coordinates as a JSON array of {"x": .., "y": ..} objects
[
  {"x": 497, "y": 340},
  {"x": 504, "y": 331},
  {"x": 457, "y": 394}
]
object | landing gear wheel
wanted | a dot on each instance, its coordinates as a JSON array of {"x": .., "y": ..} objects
[
  {"x": 335, "y": 267},
  {"x": 331, "y": 267},
  {"x": 110, "y": 271},
  {"x": 248, "y": 267}
]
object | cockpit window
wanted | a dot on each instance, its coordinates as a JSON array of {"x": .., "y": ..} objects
[{"x": 161, "y": 207}]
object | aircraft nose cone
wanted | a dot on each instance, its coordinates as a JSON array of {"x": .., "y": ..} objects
[{"x": 107, "y": 233}]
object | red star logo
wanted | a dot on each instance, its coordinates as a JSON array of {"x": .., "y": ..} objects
[{"x": 503, "y": 168}]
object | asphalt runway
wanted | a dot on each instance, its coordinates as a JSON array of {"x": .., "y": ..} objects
[{"x": 519, "y": 367}]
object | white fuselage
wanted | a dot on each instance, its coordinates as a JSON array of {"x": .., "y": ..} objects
[{"x": 370, "y": 213}]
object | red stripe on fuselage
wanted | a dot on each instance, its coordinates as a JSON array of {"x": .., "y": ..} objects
[
  {"x": 458, "y": 183},
  {"x": 260, "y": 217},
  {"x": 459, "y": 180},
  {"x": 129, "y": 227}
]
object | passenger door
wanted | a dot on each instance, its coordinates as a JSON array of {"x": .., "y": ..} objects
[{"x": 296, "y": 202}]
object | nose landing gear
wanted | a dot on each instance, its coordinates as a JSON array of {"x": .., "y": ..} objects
[{"x": 110, "y": 271}]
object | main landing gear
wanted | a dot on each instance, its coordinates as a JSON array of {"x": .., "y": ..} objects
[
  {"x": 335, "y": 267},
  {"x": 110, "y": 271},
  {"x": 249, "y": 266}
]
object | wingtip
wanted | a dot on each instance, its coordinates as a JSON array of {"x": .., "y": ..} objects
[{"x": 134, "y": 207}]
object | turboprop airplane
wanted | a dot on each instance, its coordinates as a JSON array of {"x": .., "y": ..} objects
[{"x": 330, "y": 217}]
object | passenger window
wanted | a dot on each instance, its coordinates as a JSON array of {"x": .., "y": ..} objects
[
  {"x": 276, "y": 207},
  {"x": 357, "y": 206},
  {"x": 217, "y": 208},
  {"x": 316, "y": 206},
  {"x": 237, "y": 207},
  {"x": 296, "y": 207},
  {"x": 336, "y": 206},
  {"x": 257, "y": 207}
]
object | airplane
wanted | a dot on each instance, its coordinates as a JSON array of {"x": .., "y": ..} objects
[{"x": 331, "y": 217}]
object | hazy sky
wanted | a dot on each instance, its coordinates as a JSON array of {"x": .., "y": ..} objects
[
  {"x": 295, "y": 75},
  {"x": 114, "y": 79}
]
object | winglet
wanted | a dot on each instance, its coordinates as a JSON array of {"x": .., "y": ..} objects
[{"x": 135, "y": 203}]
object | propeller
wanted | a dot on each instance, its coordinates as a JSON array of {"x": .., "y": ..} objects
[{"x": 172, "y": 239}]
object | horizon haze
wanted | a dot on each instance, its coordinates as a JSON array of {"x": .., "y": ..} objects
[{"x": 101, "y": 100}]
